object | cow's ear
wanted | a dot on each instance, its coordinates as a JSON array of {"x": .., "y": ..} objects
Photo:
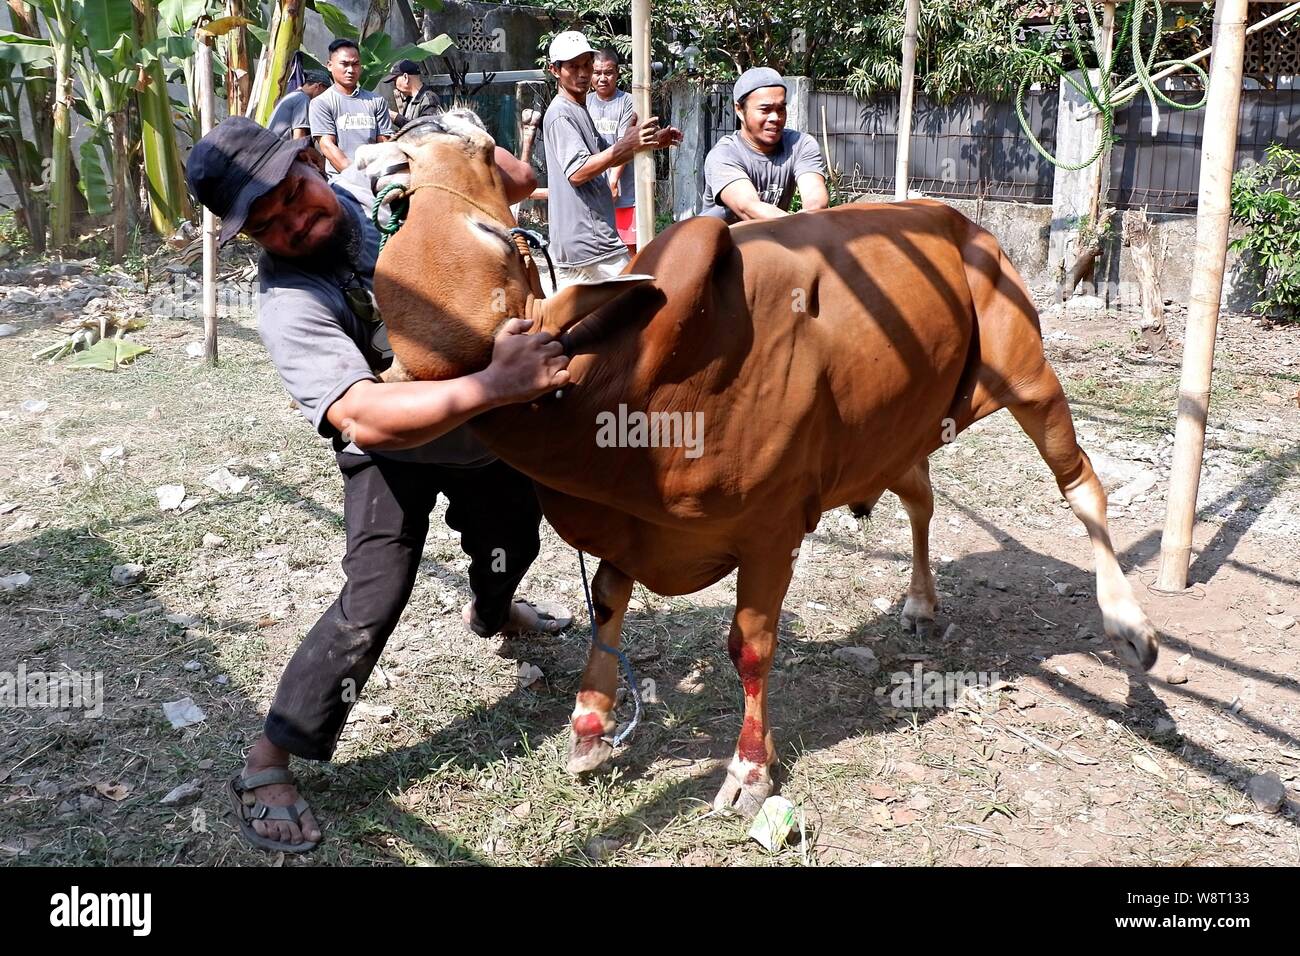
[{"x": 574, "y": 303}]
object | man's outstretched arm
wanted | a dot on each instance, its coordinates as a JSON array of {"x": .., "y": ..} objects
[{"x": 391, "y": 415}]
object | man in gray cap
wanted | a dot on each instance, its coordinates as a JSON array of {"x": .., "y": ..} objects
[
  {"x": 752, "y": 174},
  {"x": 289, "y": 120}
]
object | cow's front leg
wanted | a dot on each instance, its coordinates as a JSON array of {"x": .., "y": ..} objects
[
  {"x": 760, "y": 590},
  {"x": 593, "y": 714},
  {"x": 922, "y": 600}
]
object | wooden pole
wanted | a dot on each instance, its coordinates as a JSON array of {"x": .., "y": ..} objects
[
  {"x": 905, "y": 95},
  {"x": 207, "y": 107},
  {"x": 645, "y": 160},
  {"x": 1214, "y": 207}
]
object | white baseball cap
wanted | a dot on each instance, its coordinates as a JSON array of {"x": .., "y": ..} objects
[{"x": 567, "y": 46}]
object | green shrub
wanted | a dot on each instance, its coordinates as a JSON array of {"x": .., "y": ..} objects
[{"x": 1266, "y": 200}]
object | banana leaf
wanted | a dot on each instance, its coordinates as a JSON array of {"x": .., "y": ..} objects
[
  {"x": 94, "y": 179},
  {"x": 107, "y": 354}
]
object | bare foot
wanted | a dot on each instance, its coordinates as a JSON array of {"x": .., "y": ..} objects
[
  {"x": 264, "y": 756},
  {"x": 542, "y": 617}
]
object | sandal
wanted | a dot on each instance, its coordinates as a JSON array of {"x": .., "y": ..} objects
[{"x": 246, "y": 814}]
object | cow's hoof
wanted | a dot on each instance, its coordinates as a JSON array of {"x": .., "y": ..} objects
[
  {"x": 587, "y": 754},
  {"x": 917, "y": 619},
  {"x": 1133, "y": 636},
  {"x": 744, "y": 790}
]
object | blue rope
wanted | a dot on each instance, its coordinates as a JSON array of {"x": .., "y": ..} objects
[{"x": 622, "y": 658}]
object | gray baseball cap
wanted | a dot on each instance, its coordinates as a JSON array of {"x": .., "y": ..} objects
[{"x": 755, "y": 79}]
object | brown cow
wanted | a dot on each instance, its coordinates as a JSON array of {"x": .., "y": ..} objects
[{"x": 826, "y": 355}]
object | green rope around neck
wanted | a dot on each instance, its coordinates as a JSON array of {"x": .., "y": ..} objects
[{"x": 1104, "y": 97}]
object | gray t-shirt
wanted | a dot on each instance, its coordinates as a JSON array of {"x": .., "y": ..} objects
[
  {"x": 290, "y": 114},
  {"x": 321, "y": 348},
  {"x": 774, "y": 175},
  {"x": 612, "y": 118},
  {"x": 581, "y": 217},
  {"x": 353, "y": 121}
]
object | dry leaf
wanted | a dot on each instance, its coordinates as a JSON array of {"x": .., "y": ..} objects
[
  {"x": 114, "y": 791},
  {"x": 882, "y": 792},
  {"x": 880, "y": 816},
  {"x": 903, "y": 816}
]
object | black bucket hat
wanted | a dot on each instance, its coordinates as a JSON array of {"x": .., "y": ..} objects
[{"x": 235, "y": 165}]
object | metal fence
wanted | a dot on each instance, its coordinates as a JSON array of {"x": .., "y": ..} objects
[{"x": 1163, "y": 173}]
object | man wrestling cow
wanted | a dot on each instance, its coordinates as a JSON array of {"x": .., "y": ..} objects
[{"x": 398, "y": 444}]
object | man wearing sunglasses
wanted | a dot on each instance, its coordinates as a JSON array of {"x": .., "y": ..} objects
[{"x": 398, "y": 444}]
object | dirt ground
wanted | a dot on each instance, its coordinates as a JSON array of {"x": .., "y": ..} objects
[{"x": 1064, "y": 758}]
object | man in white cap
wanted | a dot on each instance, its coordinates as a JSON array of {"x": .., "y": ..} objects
[
  {"x": 584, "y": 241},
  {"x": 752, "y": 174}
]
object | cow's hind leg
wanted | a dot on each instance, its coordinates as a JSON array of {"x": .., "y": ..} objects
[
  {"x": 922, "y": 601},
  {"x": 1041, "y": 409},
  {"x": 760, "y": 590},
  {"x": 593, "y": 714}
]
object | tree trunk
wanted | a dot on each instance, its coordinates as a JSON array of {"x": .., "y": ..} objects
[
  {"x": 169, "y": 201},
  {"x": 239, "y": 80},
  {"x": 121, "y": 187},
  {"x": 38, "y": 89},
  {"x": 1138, "y": 235},
  {"x": 285, "y": 38},
  {"x": 60, "y": 169}
]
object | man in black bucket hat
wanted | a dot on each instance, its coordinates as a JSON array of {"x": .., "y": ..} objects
[{"x": 398, "y": 444}]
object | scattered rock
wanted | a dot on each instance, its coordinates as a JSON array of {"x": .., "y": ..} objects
[
  {"x": 34, "y": 406},
  {"x": 529, "y": 674},
  {"x": 187, "y": 792},
  {"x": 183, "y": 620},
  {"x": 8, "y": 507},
  {"x": 882, "y": 604},
  {"x": 194, "y": 350},
  {"x": 1140, "y": 485},
  {"x": 15, "y": 582},
  {"x": 207, "y": 764},
  {"x": 170, "y": 497},
  {"x": 1064, "y": 588},
  {"x": 1283, "y": 622},
  {"x": 224, "y": 482},
  {"x": 1177, "y": 675},
  {"x": 1268, "y": 792},
  {"x": 364, "y": 709},
  {"x": 211, "y": 540},
  {"x": 21, "y": 297},
  {"x": 183, "y": 713},
  {"x": 7, "y": 330},
  {"x": 127, "y": 574},
  {"x": 112, "y": 613},
  {"x": 1163, "y": 725},
  {"x": 192, "y": 666},
  {"x": 24, "y": 523},
  {"x": 860, "y": 658},
  {"x": 111, "y": 453}
]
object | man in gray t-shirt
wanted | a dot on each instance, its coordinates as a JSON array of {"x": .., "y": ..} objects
[
  {"x": 345, "y": 117},
  {"x": 399, "y": 445},
  {"x": 580, "y": 209},
  {"x": 289, "y": 119},
  {"x": 612, "y": 113},
  {"x": 753, "y": 173}
]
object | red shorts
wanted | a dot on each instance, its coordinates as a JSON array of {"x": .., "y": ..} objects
[{"x": 625, "y": 222}]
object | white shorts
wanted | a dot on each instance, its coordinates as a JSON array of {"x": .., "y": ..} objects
[{"x": 591, "y": 272}]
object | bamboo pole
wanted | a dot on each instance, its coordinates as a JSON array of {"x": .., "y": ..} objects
[
  {"x": 207, "y": 108},
  {"x": 1218, "y": 155},
  {"x": 644, "y": 160},
  {"x": 905, "y": 96}
]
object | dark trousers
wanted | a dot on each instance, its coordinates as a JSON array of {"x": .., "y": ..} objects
[{"x": 386, "y": 511}]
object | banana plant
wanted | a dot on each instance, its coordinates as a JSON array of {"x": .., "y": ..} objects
[
  {"x": 169, "y": 201},
  {"x": 25, "y": 59},
  {"x": 378, "y": 52}
]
